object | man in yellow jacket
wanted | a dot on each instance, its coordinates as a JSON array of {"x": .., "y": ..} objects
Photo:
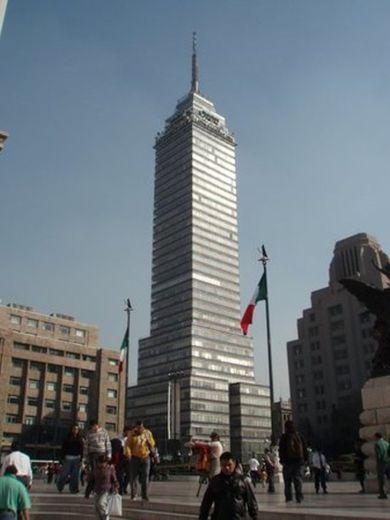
[{"x": 139, "y": 446}]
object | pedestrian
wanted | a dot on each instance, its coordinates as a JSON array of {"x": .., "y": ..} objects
[
  {"x": 22, "y": 463},
  {"x": 269, "y": 463},
  {"x": 125, "y": 461},
  {"x": 97, "y": 442},
  {"x": 14, "y": 498},
  {"x": 359, "y": 465},
  {"x": 293, "y": 455},
  {"x": 254, "y": 469},
  {"x": 102, "y": 481},
  {"x": 139, "y": 446},
  {"x": 231, "y": 493},
  {"x": 72, "y": 453},
  {"x": 215, "y": 449},
  {"x": 381, "y": 455},
  {"x": 319, "y": 468}
]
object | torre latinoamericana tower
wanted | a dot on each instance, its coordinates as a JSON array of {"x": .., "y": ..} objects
[{"x": 196, "y": 369}]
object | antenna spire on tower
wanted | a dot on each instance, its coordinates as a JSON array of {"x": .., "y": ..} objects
[{"x": 195, "y": 68}]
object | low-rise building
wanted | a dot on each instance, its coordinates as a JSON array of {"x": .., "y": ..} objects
[{"x": 53, "y": 374}]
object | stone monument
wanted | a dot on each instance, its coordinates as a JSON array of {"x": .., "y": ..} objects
[{"x": 376, "y": 391}]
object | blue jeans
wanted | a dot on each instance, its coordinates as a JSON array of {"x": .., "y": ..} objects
[
  {"x": 71, "y": 469},
  {"x": 139, "y": 468},
  {"x": 7, "y": 515},
  {"x": 292, "y": 474}
]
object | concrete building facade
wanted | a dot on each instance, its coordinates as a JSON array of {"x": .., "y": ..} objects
[
  {"x": 196, "y": 369},
  {"x": 331, "y": 359},
  {"x": 52, "y": 374}
]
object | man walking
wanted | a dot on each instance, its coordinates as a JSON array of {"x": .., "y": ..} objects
[
  {"x": 14, "y": 498},
  {"x": 319, "y": 465},
  {"x": 381, "y": 454},
  {"x": 22, "y": 463},
  {"x": 97, "y": 442},
  {"x": 293, "y": 455},
  {"x": 139, "y": 446},
  {"x": 231, "y": 493}
]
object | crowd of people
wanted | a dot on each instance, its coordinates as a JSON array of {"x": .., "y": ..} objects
[{"x": 125, "y": 464}]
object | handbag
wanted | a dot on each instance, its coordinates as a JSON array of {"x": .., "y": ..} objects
[{"x": 114, "y": 504}]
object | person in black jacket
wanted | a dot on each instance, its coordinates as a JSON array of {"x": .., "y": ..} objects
[
  {"x": 231, "y": 493},
  {"x": 293, "y": 455},
  {"x": 72, "y": 453}
]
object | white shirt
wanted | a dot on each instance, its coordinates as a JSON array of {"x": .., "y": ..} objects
[
  {"x": 21, "y": 461},
  {"x": 318, "y": 460},
  {"x": 253, "y": 464},
  {"x": 215, "y": 449}
]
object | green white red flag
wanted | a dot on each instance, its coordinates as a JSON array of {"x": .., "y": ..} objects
[
  {"x": 123, "y": 350},
  {"x": 259, "y": 294}
]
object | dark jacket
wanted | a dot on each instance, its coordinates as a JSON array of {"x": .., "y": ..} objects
[
  {"x": 72, "y": 446},
  {"x": 285, "y": 455},
  {"x": 231, "y": 495}
]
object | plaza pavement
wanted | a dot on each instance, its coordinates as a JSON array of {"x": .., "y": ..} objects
[{"x": 175, "y": 499}]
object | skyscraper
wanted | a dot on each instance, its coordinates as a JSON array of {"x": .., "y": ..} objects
[
  {"x": 196, "y": 370},
  {"x": 331, "y": 359}
]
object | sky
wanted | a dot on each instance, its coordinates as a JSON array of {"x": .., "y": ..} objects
[{"x": 85, "y": 85}]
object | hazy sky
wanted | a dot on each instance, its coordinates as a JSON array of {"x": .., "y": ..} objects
[{"x": 85, "y": 85}]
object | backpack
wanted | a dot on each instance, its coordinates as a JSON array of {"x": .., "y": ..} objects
[{"x": 294, "y": 446}]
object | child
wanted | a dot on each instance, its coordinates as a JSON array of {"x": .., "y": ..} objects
[{"x": 102, "y": 480}]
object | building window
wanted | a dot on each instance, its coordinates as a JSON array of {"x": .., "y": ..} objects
[
  {"x": 50, "y": 403},
  {"x": 11, "y": 418},
  {"x": 340, "y": 354},
  {"x": 338, "y": 340},
  {"x": 56, "y": 352},
  {"x": 34, "y": 365},
  {"x": 112, "y": 394},
  {"x": 80, "y": 333},
  {"x": 15, "y": 319},
  {"x": 17, "y": 363},
  {"x": 312, "y": 317},
  {"x": 113, "y": 362},
  {"x": 32, "y": 401},
  {"x": 83, "y": 408},
  {"x": 313, "y": 331},
  {"x": 49, "y": 327},
  {"x": 112, "y": 377},
  {"x": 67, "y": 406},
  {"x": 37, "y": 348},
  {"x": 53, "y": 369},
  {"x": 72, "y": 355},
  {"x": 34, "y": 383},
  {"x": 16, "y": 381},
  {"x": 32, "y": 323},
  {"x": 68, "y": 389},
  {"x": 51, "y": 386},
  {"x": 337, "y": 325},
  {"x": 84, "y": 390},
  {"x": 21, "y": 346},
  {"x": 111, "y": 410},
  {"x": 13, "y": 399},
  {"x": 64, "y": 330},
  {"x": 87, "y": 374},
  {"x": 69, "y": 371},
  {"x": 111, "y": 427},
  {"x": 30, "y": 419},
  {"x": 92, "y": 359},
  {"x": 335, "y": 310}
]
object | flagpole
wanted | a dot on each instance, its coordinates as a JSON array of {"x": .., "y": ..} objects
[
  {"x": 128, "y": 310},
  {"x": 264, "y": 259}
]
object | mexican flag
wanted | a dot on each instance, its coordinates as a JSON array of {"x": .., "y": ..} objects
[
  {"x": 123, "y": 350},
  {"x": 259, "y": 294}
]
